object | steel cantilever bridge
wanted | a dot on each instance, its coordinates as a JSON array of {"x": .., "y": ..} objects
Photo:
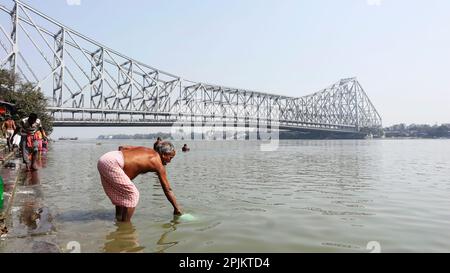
[{"x": 89, "y": 84}]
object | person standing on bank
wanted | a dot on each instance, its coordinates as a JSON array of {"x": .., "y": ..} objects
[
  {"x": 28, "y": 142},
  {"x": 8, "y": 127},
  {"x": 118, "y": 168}
]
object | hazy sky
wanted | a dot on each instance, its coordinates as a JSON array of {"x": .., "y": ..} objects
[{"x": 398, "y": 49}]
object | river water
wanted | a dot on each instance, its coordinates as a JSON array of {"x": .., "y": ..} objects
[{"x": 307, "y": 196}]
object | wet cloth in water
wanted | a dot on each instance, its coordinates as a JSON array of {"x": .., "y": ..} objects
[{"x": 116, "y": 183}]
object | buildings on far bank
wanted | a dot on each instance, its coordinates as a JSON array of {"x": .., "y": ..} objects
[{"x": 418, "y": 131}]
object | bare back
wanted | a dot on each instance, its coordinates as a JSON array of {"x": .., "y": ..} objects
[
  {"x": 139, "y": 160},
  {"x": 9, "y": 125}
]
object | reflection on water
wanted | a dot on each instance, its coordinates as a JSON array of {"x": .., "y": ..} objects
[
  {"x": 123, "y": 239},
  {"x": 32, "y": 178},
  {"x": 164, "y": 242},
  {"x": 308, "y": 196},
  {"x": 34, "y": 217}
]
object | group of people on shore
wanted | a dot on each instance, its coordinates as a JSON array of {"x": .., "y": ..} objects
[{"x": 29, "y": 136}]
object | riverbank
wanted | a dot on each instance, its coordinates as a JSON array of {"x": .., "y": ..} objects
[
  {"x": 25, "y": 221},
  {"x": 9, "y": 181}
]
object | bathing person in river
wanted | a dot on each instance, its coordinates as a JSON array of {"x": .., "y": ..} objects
[
  {"x": 118, "y": 168},
  {"x": 185, "y": 148}
]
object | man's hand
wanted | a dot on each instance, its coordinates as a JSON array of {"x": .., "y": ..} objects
[{"x": 177, "y": 212}]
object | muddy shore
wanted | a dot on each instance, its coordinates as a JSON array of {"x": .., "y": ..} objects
[{"x": 25, "y": 223}]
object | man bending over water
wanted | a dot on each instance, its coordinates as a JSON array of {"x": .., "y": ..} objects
[{"x": 118, "y": 168}]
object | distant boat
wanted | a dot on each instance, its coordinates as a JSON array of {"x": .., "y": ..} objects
[{"x": 68, "y": 138}]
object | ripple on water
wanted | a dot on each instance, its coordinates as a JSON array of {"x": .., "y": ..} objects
[{"x": 328, "y": 196}]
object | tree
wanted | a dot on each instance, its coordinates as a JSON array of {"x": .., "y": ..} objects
[{"x": 27, "y": 99}]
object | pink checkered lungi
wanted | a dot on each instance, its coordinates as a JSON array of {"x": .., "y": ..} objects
[{"x": 116, "y": 183}]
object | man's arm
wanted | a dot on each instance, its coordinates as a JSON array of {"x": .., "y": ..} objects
[
  {"x": 16, "y": 130},
  {"x": 168, "y": 190}
]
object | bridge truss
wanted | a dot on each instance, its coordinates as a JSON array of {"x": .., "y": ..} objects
[{"x": 89, "y": 84}]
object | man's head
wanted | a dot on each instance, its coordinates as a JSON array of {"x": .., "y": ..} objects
[
  {"x": 32, "y": 118},
  {"x": 166, "y": 151},
  {"x": 158, "y": 139}
]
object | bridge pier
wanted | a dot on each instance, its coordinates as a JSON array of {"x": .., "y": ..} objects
[
  {"x": 224, "y": 124},
  {"x": 235, "y": 135},
  {"x": 203, "y": 127},
  {"x": 258, "y": 136},
  {"x": 246, "y": 128}
]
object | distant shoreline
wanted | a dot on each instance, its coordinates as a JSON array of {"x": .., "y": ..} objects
[{"x": 377, "y": 138}]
